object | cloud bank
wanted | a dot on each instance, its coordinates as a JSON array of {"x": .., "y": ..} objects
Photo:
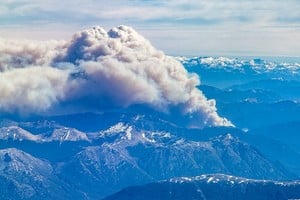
[{"x": 99, "y": 70}]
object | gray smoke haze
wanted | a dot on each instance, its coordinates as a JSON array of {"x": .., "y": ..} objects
[
  {"x": 22, "y": 54},
  {"x": 100, "y": 70}
]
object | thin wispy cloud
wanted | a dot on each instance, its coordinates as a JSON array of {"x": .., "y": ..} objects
[{"x": 226, "y": 11}]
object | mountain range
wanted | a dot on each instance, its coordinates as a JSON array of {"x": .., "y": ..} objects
[
  {"x": 212, "y": 186},
  {"x": 67, "y": 159}
]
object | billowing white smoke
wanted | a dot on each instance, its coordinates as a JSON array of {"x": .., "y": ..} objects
[
  {"x": 102, "y": 70},
  {"x": 28, "y": 84},
  {"x": 21, "y": 54},
  {"x": 30, "y": 90}
]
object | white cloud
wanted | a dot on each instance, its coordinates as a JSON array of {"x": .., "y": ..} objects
[{"x": 101, "y": 70}]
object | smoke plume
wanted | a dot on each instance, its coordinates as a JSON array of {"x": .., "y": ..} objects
[{"x": 98, "y": 70}]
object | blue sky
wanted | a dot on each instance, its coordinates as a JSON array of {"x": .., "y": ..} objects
[{"x": 178, "y": 27}]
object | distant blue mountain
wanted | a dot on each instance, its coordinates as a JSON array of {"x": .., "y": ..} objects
[
  {"x": 214, "y": 186},
  {"x": 23, "y": 176}
]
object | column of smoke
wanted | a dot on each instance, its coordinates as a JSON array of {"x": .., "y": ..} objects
[{"x": 101, "y": 70}]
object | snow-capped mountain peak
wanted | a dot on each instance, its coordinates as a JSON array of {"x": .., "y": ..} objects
[
  {"x": 66, "y": 134},
  {"x": 17, "y": 133}
]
